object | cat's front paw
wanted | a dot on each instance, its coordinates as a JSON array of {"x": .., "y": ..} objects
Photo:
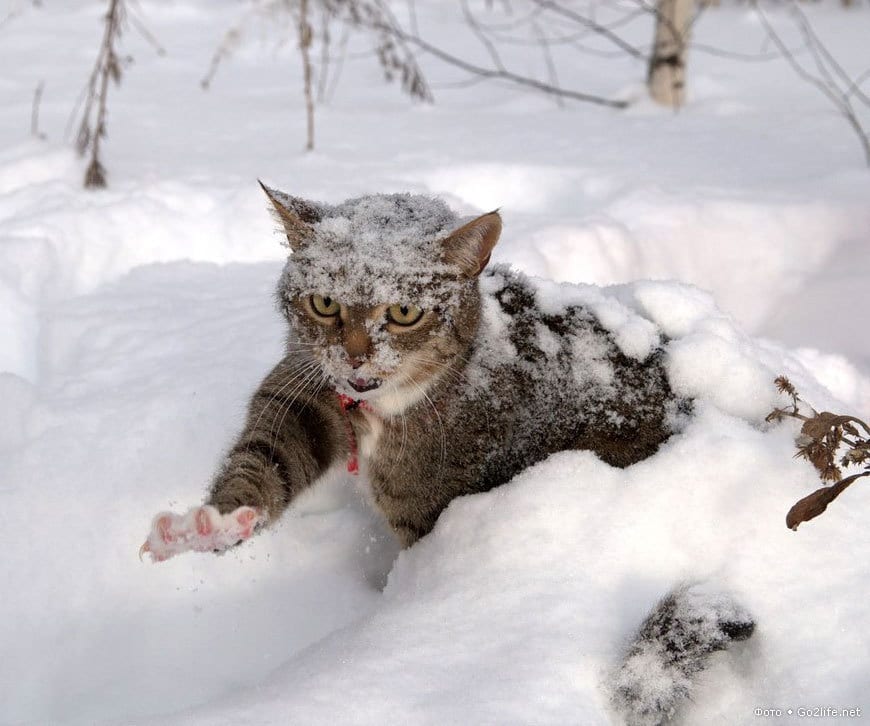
[{"x": 201, "y": 529}]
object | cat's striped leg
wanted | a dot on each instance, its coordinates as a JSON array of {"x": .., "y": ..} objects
[{"x": 293, "y": 434}]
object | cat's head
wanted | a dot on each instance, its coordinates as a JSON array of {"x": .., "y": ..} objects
[{"x": 381, "y": 291}]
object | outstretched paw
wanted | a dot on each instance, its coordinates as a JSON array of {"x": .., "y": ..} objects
[{"x": 201, "y": 529}]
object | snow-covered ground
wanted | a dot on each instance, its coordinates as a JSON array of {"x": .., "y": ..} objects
[{"x": 135, "y": 322}]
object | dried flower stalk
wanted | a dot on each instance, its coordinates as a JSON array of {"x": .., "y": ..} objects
[{"x": 829, "y": 442}]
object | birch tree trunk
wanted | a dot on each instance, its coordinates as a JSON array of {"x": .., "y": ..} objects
[{"x": 667, "y": 67}]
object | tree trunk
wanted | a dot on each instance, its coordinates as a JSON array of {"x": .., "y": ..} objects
[{"x": 667, "y": 67}]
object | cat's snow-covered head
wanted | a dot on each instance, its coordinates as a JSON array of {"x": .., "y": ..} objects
[{"x": 381, "y": 290}]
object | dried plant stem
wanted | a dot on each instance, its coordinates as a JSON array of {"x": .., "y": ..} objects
[
  {"x": 34, "y": 111},
  {"x": 339, "y": 64},
  {"x": 305, "y": 37},
  {"x": 828, "y": 441},
  {"x": 325, "y": 42},
  {"x": 590, "y": 24},
  {"x": 95, "y": 175},
  {"x": 107, "y": 66}
]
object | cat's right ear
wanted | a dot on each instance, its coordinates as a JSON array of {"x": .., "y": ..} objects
[
  {"x": 470, "y": 246},
  {"x": 295, "y": 215}
]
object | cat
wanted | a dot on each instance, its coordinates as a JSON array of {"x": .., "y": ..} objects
[{"x": 439, "y": 375}]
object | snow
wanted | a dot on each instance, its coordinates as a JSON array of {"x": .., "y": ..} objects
[
  {"x": 389, "y": 243},
  {"x": 135, "y": 322}
]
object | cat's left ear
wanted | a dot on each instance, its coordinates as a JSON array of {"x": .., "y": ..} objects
[
  {"x": 295, "y": 215},
  {"x": 470, "y": 246}
]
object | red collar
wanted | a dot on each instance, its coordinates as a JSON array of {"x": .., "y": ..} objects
[{"x": 346, "y": 403}]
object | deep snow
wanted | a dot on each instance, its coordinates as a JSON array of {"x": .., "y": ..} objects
[{"x": 136, "y": 321}]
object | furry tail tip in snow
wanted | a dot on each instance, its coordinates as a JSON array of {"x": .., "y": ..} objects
[{"x": 672, "y": 646}]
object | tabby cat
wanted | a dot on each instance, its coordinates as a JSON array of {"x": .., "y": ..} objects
[{"x": 407, "y": 357}]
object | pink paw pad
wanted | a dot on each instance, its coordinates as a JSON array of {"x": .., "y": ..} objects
[{"x": 202, "y": 529}]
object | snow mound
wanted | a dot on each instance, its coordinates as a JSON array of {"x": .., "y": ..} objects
[
  {"x": 136, "y": 321},
  {"x": 522, "y": 600}
]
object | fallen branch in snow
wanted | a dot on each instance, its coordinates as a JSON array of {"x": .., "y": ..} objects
[{"x": 822, "y": 437}]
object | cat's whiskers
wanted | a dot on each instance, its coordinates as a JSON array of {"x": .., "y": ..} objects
[
  {"x": 447, "y": 368},
  {"x": 309, "y": 378},
  {"x": 402, "y": 444},
  {"x": 275, "y": 412},
  {"x": 284, "y": 406},
  {"x": 422, "y": 390},
  {"x": 300, "y": 344},
  {"x": 457, "y": 374},
  {"x": 295, "y": 372}
]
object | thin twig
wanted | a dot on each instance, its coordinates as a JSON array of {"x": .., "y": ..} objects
[
  {"x": 499, "y": 73},
  {"x": 481, "y": 36},
  {"x": 137, "y": 23},
  {"x": 548, "y": 60},
  {"x": 413, "y": 81},
  {"x": 325, "y": 39},
  {"x": 856, "y": 85},
  {"x": 339, "y": 66},
  {"x": 34, "y": 112},
  {"x": 602, "y": 30},
  {"x": 305, "y": 37},
  {"x": 567, "y": 38},
  {"x": 825, "y": 85}
]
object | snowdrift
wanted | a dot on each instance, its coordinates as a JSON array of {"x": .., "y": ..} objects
[{"x": 135, "y": 323}]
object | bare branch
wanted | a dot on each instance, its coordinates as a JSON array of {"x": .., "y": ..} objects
[
  {"x": 825, "y": 84},
  {"x": 816, "y": 45},
  {"x": 224, "y": 50},
  {"x": 548, "y": 60},
  {"x": 602, "y": 30},
  {"x": 342, "y": 54},
  {"x": 481, "y": 36},
  {"x": 148, "y": 36},
  {"x": 325, "y": 40},
  {"x": 497, "y": 73}
]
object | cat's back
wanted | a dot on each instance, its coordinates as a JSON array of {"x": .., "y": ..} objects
[{"x": 553, "y": 377}]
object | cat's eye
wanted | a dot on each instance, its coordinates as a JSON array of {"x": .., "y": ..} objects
[
  {"x": 404, "y": 314},
  {"x": 325, "y": 306}
]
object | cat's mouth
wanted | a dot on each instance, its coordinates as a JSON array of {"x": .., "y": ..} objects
[{"x": 361, "y": 385}]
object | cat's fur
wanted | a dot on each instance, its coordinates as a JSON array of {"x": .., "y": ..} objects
[
  {"x": 672, "y": 646},
  {"x": 490, "y": 380}
]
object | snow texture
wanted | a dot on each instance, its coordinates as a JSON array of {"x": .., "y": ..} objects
[
  {"x": 135, "y": 323},
  {"x": 376, "y": 249}
]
